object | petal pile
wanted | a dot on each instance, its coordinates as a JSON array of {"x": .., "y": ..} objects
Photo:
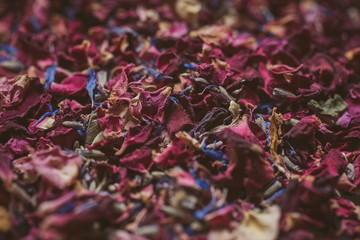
[{"x": 184, "y": 119}]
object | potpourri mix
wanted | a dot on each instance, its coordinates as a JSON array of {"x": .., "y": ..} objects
[{"x": 180, "y": 119}]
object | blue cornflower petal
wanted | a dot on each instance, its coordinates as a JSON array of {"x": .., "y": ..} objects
[
  {"x": 35, "y": 24},
  {"x": 8, "y": 49},
  {"x": 190, "y": 66},
  {"x": 3, "y": 59},
  {"x": 47, "y": 114},
  {"x": 91, "y": 85},
  {"x": 150, "y": 71},
  {"x": 275, "y": 195},
  {"x": 210, "y": 86},
  {"x": 70, "y": 13},
  {"x": 201, "y": 182},
  {"x": 213, "y": 154},
  {"x": 164, "y": 77},
  {"x": 50, "y": 76},
  {"x": 200, "y": 214},
  {"x": 267, "y": 124},
  {"x": 174, "y": 100}
]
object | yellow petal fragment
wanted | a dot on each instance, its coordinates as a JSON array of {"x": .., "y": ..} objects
[
  {"x": 5, "y": 224},
  {"x": 276, "y": 120}
]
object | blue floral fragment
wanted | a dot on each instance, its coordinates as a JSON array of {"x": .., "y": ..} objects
[
  {"x": 215, "y": 155},
  {"x": 200, "y": 214},
  {"x": 156, "y": 75},
  {"x": 48, "y": 114},
  {"x": 50, "y": 76},
  {"x": 91, "y": 85},
  {"x": 8, "y": 49}
]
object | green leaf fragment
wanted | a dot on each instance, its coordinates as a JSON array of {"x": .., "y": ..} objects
[{"x": 330, "y": 107}]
